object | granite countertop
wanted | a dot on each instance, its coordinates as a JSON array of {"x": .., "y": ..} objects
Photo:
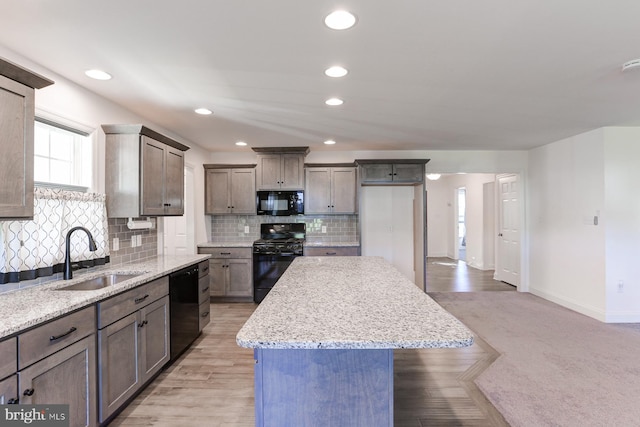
[
  {"x": 349, "y": 303},
  {"x": 24, "y": 308}
]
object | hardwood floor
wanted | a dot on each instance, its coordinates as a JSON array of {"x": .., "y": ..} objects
[
  {"x": 449, "y": 275},
  {"x": 212, "y": 383}
]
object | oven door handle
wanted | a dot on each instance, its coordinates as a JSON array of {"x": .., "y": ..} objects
[{"x": 287, "y": 254}]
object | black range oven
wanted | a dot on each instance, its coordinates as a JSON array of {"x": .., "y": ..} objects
[{"x": 278, "y": 246}]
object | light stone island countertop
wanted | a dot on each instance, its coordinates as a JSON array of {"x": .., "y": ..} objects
[
  {"x": 21, "y": 309},
  {"x": 349, "y": 303}
]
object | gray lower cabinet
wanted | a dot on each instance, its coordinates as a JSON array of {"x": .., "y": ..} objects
[
  {"x": 133, "y": 348},
  {"x": 332, "y": 251},
  {"x": 8, "y": 372},
  {"x": 57, "y": 365},
  {"x": 230, "y": 272},
  {"x": 204, "y": 295}
]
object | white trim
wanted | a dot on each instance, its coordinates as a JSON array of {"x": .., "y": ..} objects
[{"x": 590, "y": 311}]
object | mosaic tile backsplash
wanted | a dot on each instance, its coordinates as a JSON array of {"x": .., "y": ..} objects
[{"x": 230, "y": 228}]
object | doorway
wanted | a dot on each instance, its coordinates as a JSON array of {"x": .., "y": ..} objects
[
  {"x": 461, "y": 228},
  {"x": 178, "y": 232}
]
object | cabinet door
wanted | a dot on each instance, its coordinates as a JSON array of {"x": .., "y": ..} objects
[
  {"x": 243, "y": 191},
  {"x": 9, "y": 390},
  {"x": 317, "y": 191},
  {"x": 292, "y": 172},
  {"x": 16, "y": 145},
  {"x": 240, "y": 283},
  {"x": 217, "y": 277},
  {"x": 174, "y": 182},
  {"x": 343, "y": 190},
  {"x": 376, "y": 173},
  {"x": 217, "y": 183},
  {"x": 268, "y": 172},
  {"x": 410, "y": 172},
  {"x": 65, "y": 377},
  {"x": 153, "y": 171},
  {"x": 118, "y": 363},
  {"x": 154, "y": 338}
]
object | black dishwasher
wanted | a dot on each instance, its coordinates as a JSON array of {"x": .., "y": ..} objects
[{"x": 184, "y": 311}]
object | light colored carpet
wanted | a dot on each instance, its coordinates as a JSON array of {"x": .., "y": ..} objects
[{"x": 557, "y": 367}]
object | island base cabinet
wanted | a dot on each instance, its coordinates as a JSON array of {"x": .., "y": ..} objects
[
  {"x": 9, "y": 390},
  {"x": 65, "y": 377},
  {"x": 311, "y": 387}
]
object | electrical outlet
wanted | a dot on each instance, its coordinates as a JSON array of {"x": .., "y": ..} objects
[
  {"x": 620, "y": 286},
  {"x": 324, "y": 228},
  {"x": 139, "y": 240},
  {"x": 246, "y": 229},
  {"x": 133, "y": 241},
  {"x": 116, "y": 244}
]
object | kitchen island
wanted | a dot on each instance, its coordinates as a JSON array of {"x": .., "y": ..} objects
[{"x": 324, "y": 340}]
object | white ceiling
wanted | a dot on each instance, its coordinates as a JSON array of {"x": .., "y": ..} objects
[{"x": 491, "y": 74}]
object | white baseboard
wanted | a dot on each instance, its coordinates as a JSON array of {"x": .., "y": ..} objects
[{"x": 592, "y": 312}]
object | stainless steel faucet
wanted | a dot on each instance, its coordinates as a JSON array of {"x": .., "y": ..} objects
[{"x": 68, "y": 274}]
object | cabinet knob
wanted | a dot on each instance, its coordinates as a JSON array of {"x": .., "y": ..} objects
[{"x": 29, "y": 392}]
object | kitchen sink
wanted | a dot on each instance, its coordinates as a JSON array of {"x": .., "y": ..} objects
[{"x": 98, "y": 282}]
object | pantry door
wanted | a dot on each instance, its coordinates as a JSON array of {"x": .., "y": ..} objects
[{"x": 179, "y": 231}]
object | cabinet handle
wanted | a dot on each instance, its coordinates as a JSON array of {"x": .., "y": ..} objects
[
  {"x": 225, "y": 253},
  {"x": 331, "y": 253},
  {"x": 167, "y": 204},
  {"x": 13, "y": 401},
  {"x": 29, "y": 392},
  {"x": 139, "y": 300},
  {"x": 205, "y": 314},
  {"x": 205, "y": 289},
  {"x": 141, "y": 325},
  {"x": 57, "y": 337}
]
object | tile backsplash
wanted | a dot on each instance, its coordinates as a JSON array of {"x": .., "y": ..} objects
[
  {"x": 118, "y": 229},
  {"x": 231, "y": 228}
]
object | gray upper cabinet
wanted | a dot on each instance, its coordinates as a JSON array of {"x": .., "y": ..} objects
[
  {"x": 17, "y": 108},
  {"x": 280, "y": 168},
  {"x": 144, "y": 172},
  {"x": 330, "y": 190},
  {"x": 391, "y": 171},
  {"x": 230, "y": 189}
]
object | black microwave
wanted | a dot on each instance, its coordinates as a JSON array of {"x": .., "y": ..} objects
[{"x": 280, "y": 203}]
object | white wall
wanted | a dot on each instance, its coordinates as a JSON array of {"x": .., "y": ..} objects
[
  {"x": 567, "y": 252},
  {"x": 622, "y": 221}
]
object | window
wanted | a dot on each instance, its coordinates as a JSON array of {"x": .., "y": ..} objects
[{"x": 62, "y": 156}]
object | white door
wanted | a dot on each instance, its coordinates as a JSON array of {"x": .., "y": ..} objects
[
  {"x": 179, "y": 231},
  {"x": 386, "y": 221},
  {"x": 508, "y": 246}
]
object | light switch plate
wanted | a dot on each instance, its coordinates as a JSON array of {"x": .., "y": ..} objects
[
  {"x": 246, "y": 229},
  {"x": 116, "y": 244},
  {"x": 324, "y": 228}
]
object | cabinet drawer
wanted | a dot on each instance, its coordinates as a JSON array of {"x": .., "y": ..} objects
[
  {"x": 8, "y": 358},
  {"x": 203, "y": 289},
  {"x": 332, "y": 251},
  {"x": 203, "y": 268},
  {"x": 44, "y": 340},
  {"x": 205, "y": 315},
  {"x": 121, "y": 305},
  {"x": 227, "y": 252}
]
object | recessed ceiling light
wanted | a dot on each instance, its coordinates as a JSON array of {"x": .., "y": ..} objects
[
  {"x": 241, "y": 143},
  {"x": 98, "y": 74},
  {"x": 334, "y": 101},
  {"x": 340, "y": 20},
  {"x": 203, "y": 111},
  {"x": 329, "y": 142},
  {"x": 336, "y": 71},
  {"x": 629, "y": 65}
]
